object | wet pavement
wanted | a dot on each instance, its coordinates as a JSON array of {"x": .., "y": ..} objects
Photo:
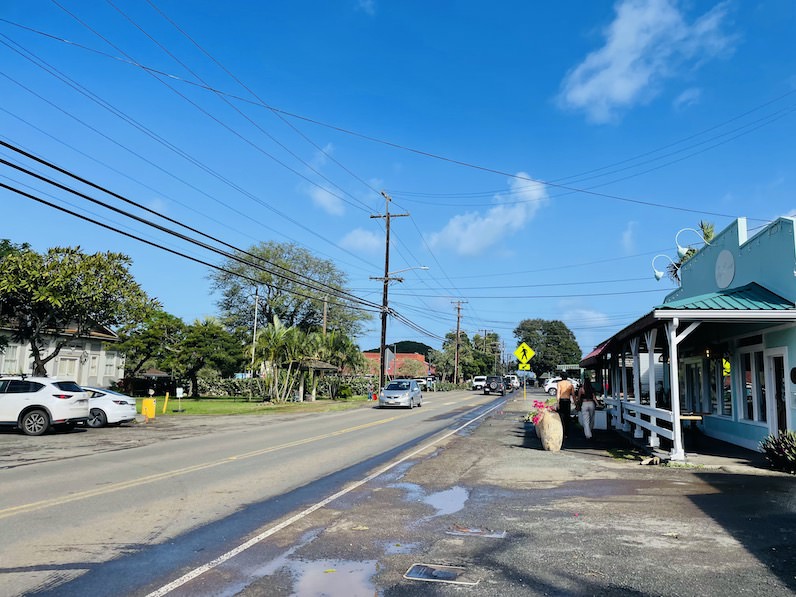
[{"x": 490, "y": 513}]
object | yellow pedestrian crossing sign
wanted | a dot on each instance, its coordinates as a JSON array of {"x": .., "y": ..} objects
[{"x": 524, "y": 353}]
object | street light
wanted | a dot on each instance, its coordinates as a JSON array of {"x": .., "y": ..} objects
[
  {"x": 683, "y": 251},
  {"x": 659, "y": 273},
  {"x": 386, "y": 279}
]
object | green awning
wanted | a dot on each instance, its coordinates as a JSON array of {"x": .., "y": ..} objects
[{"x": 746, "y": 298}]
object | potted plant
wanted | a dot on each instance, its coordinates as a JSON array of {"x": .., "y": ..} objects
[{"x": 547, "y": 424}]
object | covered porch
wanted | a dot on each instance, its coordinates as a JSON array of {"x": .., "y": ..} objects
[{"x": 714, "y": 365}]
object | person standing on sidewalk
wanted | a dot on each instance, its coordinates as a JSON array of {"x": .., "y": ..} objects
[
  {"x": 587, "y": 406},
  {"x": 565, "y": 393}
]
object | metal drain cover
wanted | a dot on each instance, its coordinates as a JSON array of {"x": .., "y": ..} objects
[{"x": 439, "y": 573}]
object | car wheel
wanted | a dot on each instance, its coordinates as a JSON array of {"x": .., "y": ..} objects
[
  {"x": 552, "y": 391},
  {"x": 97, "y": 418},
  {"x": 34, "y": 422},
  {"x": 411, "y": 403}
]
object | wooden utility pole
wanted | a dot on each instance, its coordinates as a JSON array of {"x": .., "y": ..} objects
[
  {"x": 325, "y": 310},
  {"x": 386, "y": 279},
  {"x": 458, "y": 327}
]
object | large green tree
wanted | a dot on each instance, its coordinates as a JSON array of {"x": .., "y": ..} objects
[
  {"x": 206, "y": 343},
  {"x": 444, "y": 360},
  {"x": 153, "y": 341},
  {"x": 64, "y": 293},
  {"x": 552, "y": 341},
  {"x": 283, "y": 290}
]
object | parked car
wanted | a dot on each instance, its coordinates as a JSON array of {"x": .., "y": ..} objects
[
  {"x": 401, "y": 392},
  {"x": 494, "y": 384},
  {"x": 550, "y": 385},
  {"x": 34, "y": 404},
  {"x": 478, "y": 382},
  {"x": 108, "y": 407},
  {"x": 421, "y": 382}
]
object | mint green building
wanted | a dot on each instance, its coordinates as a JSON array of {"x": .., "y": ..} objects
[{"x": 720, "y": 352}]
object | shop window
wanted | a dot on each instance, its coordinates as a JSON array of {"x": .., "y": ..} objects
[{"x": 753, "y": 382}]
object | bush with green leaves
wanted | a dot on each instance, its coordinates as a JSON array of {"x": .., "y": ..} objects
[{"x": 780, "y": 451}]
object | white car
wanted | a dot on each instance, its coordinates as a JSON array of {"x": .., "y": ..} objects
[
  {"x": 34, "y": 404},
  {"x": 479, "y": 381},
  {"x": 109, "y": 407},
  {"x": 550, "y": 385}
]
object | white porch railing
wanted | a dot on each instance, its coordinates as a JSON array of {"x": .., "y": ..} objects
[{"x": 624, "y": 412}]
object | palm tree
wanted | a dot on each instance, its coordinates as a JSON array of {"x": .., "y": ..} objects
[{"x": 673, "y": 269}]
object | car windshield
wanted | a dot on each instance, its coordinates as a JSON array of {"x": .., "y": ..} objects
[{"x": 398, "y": 385}]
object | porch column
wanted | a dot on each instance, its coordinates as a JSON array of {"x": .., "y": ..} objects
[
  {"x": 678, "y": 453},
  {"x": 623, "y": 387},
  {"x": 650, "y": 337},
  {"x": 635, "y": 342}
]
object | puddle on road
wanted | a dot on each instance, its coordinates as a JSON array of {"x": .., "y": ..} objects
[
  {"x": 333, "y": 578},
  {"x": 448, "y": 501},
  {"x": 392, "y": 549},
  {"x": 444, "y": 502}
]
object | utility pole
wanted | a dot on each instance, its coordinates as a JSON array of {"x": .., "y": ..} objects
[
  {"x": 254, "y": 333},
  {"x": 458, "y": 326},
  {"x": 325, "y": 309},
  {"x": 386, "y": 279},
  {"x": 485, "y": 333}
]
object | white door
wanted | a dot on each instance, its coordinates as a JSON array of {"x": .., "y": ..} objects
[{"x": 777, "y": 390}]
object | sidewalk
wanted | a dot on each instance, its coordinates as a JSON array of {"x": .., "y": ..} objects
[{"x": 588, "y": 520}]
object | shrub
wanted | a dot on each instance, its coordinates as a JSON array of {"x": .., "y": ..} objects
[{"x": 780, "y": 451}]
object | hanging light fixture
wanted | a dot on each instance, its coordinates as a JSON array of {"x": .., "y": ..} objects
[
  {"x": 683, "y": 251},
  {"x": 659, "y": 273}
]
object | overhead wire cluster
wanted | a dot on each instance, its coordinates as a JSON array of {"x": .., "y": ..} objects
[{"x": 434, "y": 287}]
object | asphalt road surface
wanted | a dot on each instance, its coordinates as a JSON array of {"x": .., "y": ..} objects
[
  {"x": 346, "y": 504},
  {"x": 109, "y": 511}
]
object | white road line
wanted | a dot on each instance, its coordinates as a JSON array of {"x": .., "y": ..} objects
[{"x": 196, "y": 572}]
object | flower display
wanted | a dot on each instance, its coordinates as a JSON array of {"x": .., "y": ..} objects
[{"x": 540, "y": 407}]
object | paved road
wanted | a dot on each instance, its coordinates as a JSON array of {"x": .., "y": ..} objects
[
  {"x": 488, "y": 500},
  {"x": 154, "y": 498}
]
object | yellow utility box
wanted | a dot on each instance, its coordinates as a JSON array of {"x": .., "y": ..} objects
[{"x": 148, "y": 408}]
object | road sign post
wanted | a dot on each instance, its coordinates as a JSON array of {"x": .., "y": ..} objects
[{"x": 524, "y": 353}]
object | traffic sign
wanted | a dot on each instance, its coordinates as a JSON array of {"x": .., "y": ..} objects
[
  {"x": 525, "y": 367},
  {"x": 524, "y": 353}
]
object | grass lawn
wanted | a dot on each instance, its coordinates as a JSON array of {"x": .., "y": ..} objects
[{"x": 228, "y": 406}]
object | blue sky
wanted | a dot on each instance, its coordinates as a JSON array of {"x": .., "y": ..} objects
[{"x": 545, "y": 151}]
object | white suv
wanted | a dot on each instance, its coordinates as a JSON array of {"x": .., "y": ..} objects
[
  {"x": 550, "y": 385},
  {"x": 479, "y": 381},
  {"x": 34, "y": 404}
]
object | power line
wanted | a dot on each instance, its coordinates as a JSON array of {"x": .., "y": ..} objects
[{"x": 393, "y": 144}]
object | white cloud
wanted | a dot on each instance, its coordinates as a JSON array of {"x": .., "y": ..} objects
[
  {"x": 629, "y": 237},
  {"x": 687, "y": 98},
  {"x": 324, "y": 199},
  {"x": 362, "y": 240},
  {"x": 367, "y": 6},
  {"x": 472, "y": 233},
  {"x": 322, "y": 156},
  {"x": 648, "y": 42}
]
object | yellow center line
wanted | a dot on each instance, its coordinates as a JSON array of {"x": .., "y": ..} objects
[{"x": 6, "y": 512}]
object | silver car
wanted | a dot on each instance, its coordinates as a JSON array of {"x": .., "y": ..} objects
[{"x": 401, "y": 392}]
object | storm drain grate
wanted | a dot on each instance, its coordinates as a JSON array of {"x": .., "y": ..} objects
[
  {"x": 440, "y": 573},
  {"x": 475, "y": 532}
]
